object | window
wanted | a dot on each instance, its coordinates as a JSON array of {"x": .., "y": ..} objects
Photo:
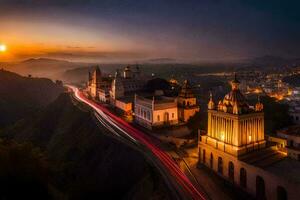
[
  {"x": 243, "y": 178},
  {"x": 173, "y": 115},
  {"x": 260, "y": 188},
  {"x": 220, "y": 165},
  {"x": 231, "y": 171},
  {"x": 281, "y": 193},
  {"x": 203, "y": 156},
  {"x": 211, "y": 161},
  {"x": 158, "y": 118}
]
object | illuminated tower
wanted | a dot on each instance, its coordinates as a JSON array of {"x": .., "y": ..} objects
[
  {"x": 127, "y": 72},
  {"x": 234, "y": 127},
  {"x": 117, "y": 88},
  {"x": 95, "y": 82},
  {"x": 187, "y": 103}
]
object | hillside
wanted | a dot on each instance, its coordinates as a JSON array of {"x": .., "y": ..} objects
[
  {"x": 42, "y": 67},
  {"x": 20, "y": 96},
  {"x": 85, "y": 162}
]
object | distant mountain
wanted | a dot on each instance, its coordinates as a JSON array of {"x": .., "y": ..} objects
[
  {"x": 20, "y": 96},
  {"x": 273, "y": 61},
  {"x": 161, "y": 60},
  {"x": 86, "y": 163},
  {"x": 42, "y": 60},
  {"x": 42, "y": 67}
]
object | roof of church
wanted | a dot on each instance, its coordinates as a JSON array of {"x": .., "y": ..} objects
[
  {"x": 234, "y": 101},
  {"x": 235, "y": 96},
  {"x": 186, "y": 90}
]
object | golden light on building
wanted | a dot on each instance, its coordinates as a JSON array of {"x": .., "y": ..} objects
[{"x": 233, "y": 125}]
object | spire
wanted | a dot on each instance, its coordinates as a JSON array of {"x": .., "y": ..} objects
[
  {"x": 235, "y": 83},
  {"x": 259, "y": 106},
  {"x": 211, "y": 104}
]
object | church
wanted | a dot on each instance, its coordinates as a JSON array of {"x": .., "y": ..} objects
[
  {"x": 236, "y": 149},
  {"x": 97, "y": 84},
  {"x": 125, "y": 92}
]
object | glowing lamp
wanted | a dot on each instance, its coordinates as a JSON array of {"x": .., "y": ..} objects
[{"x": 222, "y": 136}]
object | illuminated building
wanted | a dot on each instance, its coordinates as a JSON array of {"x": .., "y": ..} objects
[
  {"x": 235, "y": 148},
  {"x": 233, "y": 126},
  {"x": 187, "y": 103},
  {"x": 123, "y": 88},
  {"x": 96, "y": 83},
  {"x": 155, "y": 111}
]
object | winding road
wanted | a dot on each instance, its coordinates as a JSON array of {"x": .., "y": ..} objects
[{"x": 119, "y": 127}]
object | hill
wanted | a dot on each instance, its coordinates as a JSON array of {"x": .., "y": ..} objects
[
  {"x": 20, "y": 96},
  {"x": 85, "y": 161},
  {"x": 42, "y": 67}
]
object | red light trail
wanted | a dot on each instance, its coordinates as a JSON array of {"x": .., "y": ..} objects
[{"x": 138, "y": 136}]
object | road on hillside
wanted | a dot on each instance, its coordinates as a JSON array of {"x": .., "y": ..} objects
[{"x": 184, "y": 187}]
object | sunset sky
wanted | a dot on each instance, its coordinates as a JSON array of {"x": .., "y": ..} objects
[{"x": 111, "y": 30}]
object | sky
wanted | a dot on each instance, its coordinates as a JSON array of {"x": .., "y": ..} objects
[{"x": 128, "y": 30}]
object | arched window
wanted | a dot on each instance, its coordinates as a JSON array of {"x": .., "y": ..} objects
[
  {"x": 203, "y": 156},
  {"x": 260, "y": 188},
  {"x": 281, "y": 193},
  {"x": 211, "y": 161},
  {"x": 243, "y": 178},
  {"x": 231, "y": 171},
  {"x": 199, "y": 154},
  {"x": 220, "y": 165}
]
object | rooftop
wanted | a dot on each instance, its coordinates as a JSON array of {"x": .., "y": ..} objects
[{"x": 292, "y": 130}]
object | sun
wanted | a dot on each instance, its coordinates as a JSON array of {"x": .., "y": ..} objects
[{"x": 2, "y": 47}]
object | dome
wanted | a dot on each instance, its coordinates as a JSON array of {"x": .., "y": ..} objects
[
  {"x": 235, "y": 96},
  {"x": 234, "y": 102}
]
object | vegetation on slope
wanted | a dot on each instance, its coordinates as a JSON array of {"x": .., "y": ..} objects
[
  {"x": 84, "y": 162},
  {"x": 21, "y": 96}
]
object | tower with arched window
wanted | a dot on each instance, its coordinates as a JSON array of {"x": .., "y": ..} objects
[{"x": 187, "y": 102}]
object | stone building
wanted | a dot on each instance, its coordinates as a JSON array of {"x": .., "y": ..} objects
[
  {"x": 235, "y": 148},
  {"x": 96, "y": 83},
  {"x": 155, "y": 111},
  {"x": 123, "y": 88},
  {"x": 187, "y": 103}
]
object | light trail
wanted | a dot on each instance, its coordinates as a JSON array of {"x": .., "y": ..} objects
[{"x": 138, "y": 136}]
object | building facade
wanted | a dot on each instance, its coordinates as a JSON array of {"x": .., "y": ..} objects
[
  {"x": 96, "y": 83},
  {"x": 187, "y": 102},
  {"x": 235, "y": 148},
  {"x": 155, "y": 111}
]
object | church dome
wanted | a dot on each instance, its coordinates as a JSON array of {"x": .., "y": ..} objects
[
  {"x": 235, "y": 102},
  {"x": 235, "y": 96}
]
